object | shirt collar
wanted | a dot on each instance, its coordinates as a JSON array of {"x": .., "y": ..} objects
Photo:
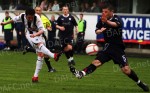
[{"x": 65, "y": 16}]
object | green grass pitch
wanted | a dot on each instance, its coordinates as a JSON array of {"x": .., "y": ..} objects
[{"x": 16, "y": 71}]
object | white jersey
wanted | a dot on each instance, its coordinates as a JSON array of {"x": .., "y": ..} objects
[
  {"x": 39, "y": 26},
  {"x": 39, "y": 23}
]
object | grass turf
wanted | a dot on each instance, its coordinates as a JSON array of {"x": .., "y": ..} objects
[{"x": 16, "y": 71}]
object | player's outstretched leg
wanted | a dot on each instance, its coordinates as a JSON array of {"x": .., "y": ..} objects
[
  {"x": 50, "y": 54},
  {"x": 78, "y": 74},
  {"x": 68, "y": 50},
  {"x": 143, "y": 86},
  {"x": 131, "y": 74},
  {"x": 90, "y": 69}
]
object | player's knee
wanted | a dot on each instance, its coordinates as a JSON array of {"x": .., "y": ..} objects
[
  {"x": 126, "y": 70},
  {"x": 40, "y": 59},
  {"x": 68, "y": 47},
  {"x": 40, "y": 54},
  {"x": 40, "y": 44},
  {"x": 97, "y": 63}
]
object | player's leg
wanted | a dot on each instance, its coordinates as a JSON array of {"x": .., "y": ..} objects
[
  {"x": 39, "y": 64},
  {"x": 69, "y": 54},
  {"x": 49, "y": 45},
  {"x": 101, "y": 58},
  {"x": 68, "y": 49},
  {"x": 50, "y": 68},
  {"x": 80, "y": 42},
  {"x": 118, "y": 56},
  {"x": 131, "y": 74},
  {"x": 37, "y": 43}
]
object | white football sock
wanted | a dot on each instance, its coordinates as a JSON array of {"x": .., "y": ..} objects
[
  {"x": 70, "y": 59},
  {"x": 46, "y": 51},
  {"x": 138, "y": 81},
  {"x": 39, "y": 64},
  {"x": 83, "y": 73}
]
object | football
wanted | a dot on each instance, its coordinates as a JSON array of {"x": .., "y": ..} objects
[{"x": 91, "y": 49}]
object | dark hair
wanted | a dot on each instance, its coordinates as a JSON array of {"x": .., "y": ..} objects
[
  {"x": 108, "y": 6},
  {"x": 30, "y": 11},
  {"x": 6, "y": 12},
  {"x": 81, "y": 14},
  {"x": 65, "y": 6}
]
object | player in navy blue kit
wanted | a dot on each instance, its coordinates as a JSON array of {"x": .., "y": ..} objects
[
  {"x": 66, "y": 24},
  {"x": 110, "y": 25}
]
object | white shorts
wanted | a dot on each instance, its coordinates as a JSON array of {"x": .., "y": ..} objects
[{"x": 35, "y": 41}]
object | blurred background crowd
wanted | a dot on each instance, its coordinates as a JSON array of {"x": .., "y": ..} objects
[{"x": 92, "y": 6}]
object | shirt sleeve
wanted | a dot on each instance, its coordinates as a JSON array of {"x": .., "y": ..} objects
[
  {"x": 118, "y": 21},
  {"x": 98, "y": 25},
  {"x": 17, "y": 18},
  {"x": 84, "y": 25},
  {"x": 58, "y": 22},
  {"x": 74, "y": 21}
]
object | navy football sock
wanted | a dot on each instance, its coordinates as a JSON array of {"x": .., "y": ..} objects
[
  {"x": 48, "y": 63},
  {"x": 91, "y": 68},
  {"x": 67, "y": 55},
  {"x": 133, "y": 76}
]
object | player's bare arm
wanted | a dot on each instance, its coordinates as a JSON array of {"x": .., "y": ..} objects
[
  {"x": 49, "y": 28},
  {"x": 113, "y": 24},
  {"x": 60, "y": 27},
  {"x": 37, "y": 34},
  {"x": 99, "y": 31},
  {"x": 76, "y": 29}
]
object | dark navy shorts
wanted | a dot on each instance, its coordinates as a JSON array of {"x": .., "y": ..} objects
[
  {"x": 65, "y": 41},
  {"x": 114, "y": 53}
]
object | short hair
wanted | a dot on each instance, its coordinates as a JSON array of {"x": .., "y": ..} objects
[
  {"x": 65, "y": 6},
  {"x": 81, "y": 14},
  {"x": 30, "y": 11},
  {"x": 37, "y": 7},
  {"x": 6, "y": 12},
  {"x": 108, "y": 6}
]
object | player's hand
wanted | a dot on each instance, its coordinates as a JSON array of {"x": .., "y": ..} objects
[
  {"x": 62, "y": 28},
  {"x": 103, "y": 18},
  {"x": 103, "y": 29},
  {"x": 100, "y": 30},
  {"x": 49, "y": 28},
  {"x": 32, "y": 35},
  {"x": 19, "y": 33}
]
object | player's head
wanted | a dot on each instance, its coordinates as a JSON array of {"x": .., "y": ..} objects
[
  {"x": 52, "y": 18},
  {"x": 108, "y": 11},
  {"x": 6, "y": 13},
  {"x": 81, "y": 16},
  {"x": 38, "y": 10},
  {"x": 30, "y": 14},
  {"x": 55, "y": 1},
  {"x": 65, "y": 10}
]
